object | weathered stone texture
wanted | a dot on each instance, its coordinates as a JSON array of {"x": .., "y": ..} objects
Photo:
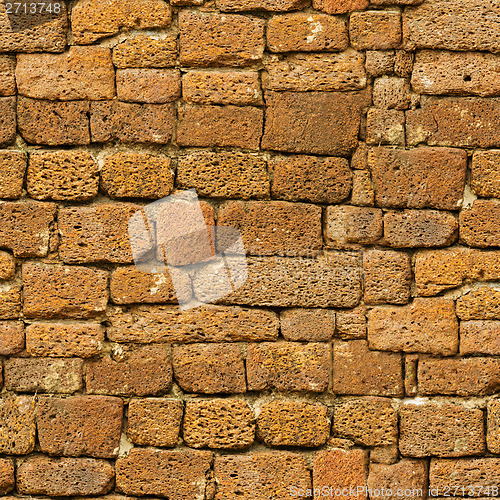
[
  {"x": 149, "y": 85},
  {"x": 375, "y": 30},
  {"x": 17, "y": 428},
  {"x": 142, "y": 51},
  {"x": 12, "y": 168},
  {"x": 11, "y": 337},
  {"x": 308, "y": 325},
  {"x": 480, "y": 225},
  {"x": 485, "y": 173},
  {"x": 483, "y": 303}
]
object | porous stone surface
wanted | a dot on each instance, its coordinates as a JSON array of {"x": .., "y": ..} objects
[
  {"x": 12, "y": 168},
  {"x": 149, "y": 85},
  {"x": 483, "y": 303},
  {"x": 311, "y": 325},
  {"x": 479, "y": 225},
  {"x": 11, "y": 337},
  {"x": 17, "y": 436},
  {"x": 143, "y": 51},
  {"x": 485, "y": 173},
  {"x": 7, "y": 266}
]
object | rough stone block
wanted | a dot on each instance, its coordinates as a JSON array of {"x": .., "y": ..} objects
[
  {"x": 267, "y": 5},
  {"x": 18, "y": 429},
  {"x": 131, "y": 122},
  {"x": 359, "y": 371},
  {"x": 351, "y": 324},
  {"x": 7, "y": 479},
  {"x": 440, "y": 429},
  {"x": 53, "y": 123},
  {"x": 154, "y": 421},
  {"x": 143, "y": 51},
  {"x": 12, "y": 168},
  {"x": 310, "y": 178},
  {"x": 7, "y": 266},
  {"x": 418, "y": 178},
  {"x": 368, "y": 422},
  {"x": 224, "y": 174},
  {"x": 7, "y": 120},
  {"x": 209, "y": 368},
  {"x": 480, "y": 337},
  {"x": 483, "y": 303},
  {"x": 241, "y": 88},
  {"x": 288, "y": 366},
  {"x": 10, "y": 301},
  {"x": 340, "y": 6},
  {"x": 92, "y": 20},
  {"x": 7, "y": 75},
  {"x": 425, "y": 325},
  {"x": 379, "y": 62},
  {"x": 385, "y": 126},
  {"x": 307, "y": 325},
  {"x": 11, "y": 337},
  {"x": 387, "y": 277},
  {"x": 62, "y": 175},
  {"x": 485, "y": 173},
  {"x": 216, "y": 39},
  {"x": 391, "y": 93},
  {"x": 137, "y": 371},
  {"x": 177, "y": 475},
  {"x": 63, "y": 292},
  {"x": 40, "y": 475},
  {"x": 324, "y": 123},
  {"x": 84, "y": 73},
  {"x": 307, "y": 72},
  {"x": 149, "y": 85},
  {"x": 480, "y": 225},
  {"x": 136, "y": 175},
  {"x": 295, "y": 228},
  {"x": 222, "y": 126},
  {"x": 403, "y": 63},
  {"x": 79, "y": 425},
  {"x": 375, "y": 29},
  {"x": 419, "y": 228},
  {"x": 461, "y": 377},
  {"x": 218, "y": 424},
  {"x": 306, "y": 32}
]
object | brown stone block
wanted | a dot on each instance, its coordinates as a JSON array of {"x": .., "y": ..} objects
[
  {"x": 485, "y": 175},
  {"x": 306, "y": 72},
  {"x": 7, "y": 75},
  {"x": 379, "y": 62},
  {"x": 330, "y": 280},
  {"x": 419, "y": 228},
  {"x": 241, "y": 88},
  {"x": 11, "y": 337},
  {"x": 25, "y": 227},
  {"x": 295, "y": 228},
  {"x": 10, "y": 301},
  {"x": 385, "y": 126},
  {"x": 41, "y": 32},
  {"x": 440, "y": 429},
  {"x": 7, "y": 120},
  {"x": 154, "y": 421},
  {"x": 351, "y": 324},
  {"x": 346, "y": 226},
  {"x": 260, "y": 476},
  {"x": 176, "y": 475},
  {"x": 137, "y": 175},
  {"x": 480, "y": 337},
  {"x": 360, "y": 371},
  {"x": 306, "y": 32},
  {"x": 17, "y": 415},
  {"x": 12, "y": 168},
  {"x": 340, "y": 6},
  {"x": 226, "y": 174},
  {"x": 98, "y": 233},
  {"x": 437, "y": 24},
  {"x": 313, "y": 122},
  {"x": 131, "y": 122},
  {"x": 149, "y": 85},
  {"x": 92, "y": 20},
  {"x": 293, "y": 423},
  {"x": 7, "y": 266},
  {"x": 368, "y": 422},
  {"x": 79, "y": 425},
  {"x": 218, "y": 424},
  {"x": 53, "y": 123},
  {"x": 493, "y": 430},
  {"x": 60, "y": 376},
  {"x": 455, "y": 121},
  {"x": 483, "y": 303},
  {"x": 62, "y": 175},
  {"x": 209, "y": 368},
  {"x": 375, "y": 29},
  {"x": 391, "y": 93},
  {"x": 387, "y": 455},
  {"x": 223, "y": 126},
  {"x": 480, "y": 225},
  {"x": 220, "y": 40},
  {"x": 461, "y": 377},
  {"x": 310, "y": 178},
  {"x": 387, "y": 277},
  {"x": 144, "y": 324},
  {"x": 268, "y": 5},
  {"x": 417, "y": 178},
  {"x": 144, "y": 51},
  {"x": 288, "y": 366},
  {"x": 137, "y": 371},
  {"x": 409, "y": 477},
  {"x": 84, "y": 73},
  {"x": 63, "y": 292},
  {"x": 7, "y": 479},
  {"x": 55, "y": 340},
  {"x": 307, "y": 325},
  {"x": 39, "y": 475},
  {"x": 403, "y": 63},
  {"x": 425, "y": 325},
  {"x": 341, "y": 470}
]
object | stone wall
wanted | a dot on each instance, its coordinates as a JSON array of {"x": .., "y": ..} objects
[{"x": 352, "y": 144}]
